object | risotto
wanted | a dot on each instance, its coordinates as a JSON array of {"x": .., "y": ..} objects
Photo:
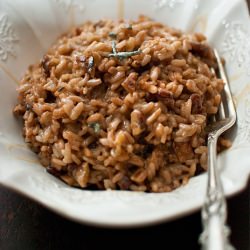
[{"x": 121, "y": 105}]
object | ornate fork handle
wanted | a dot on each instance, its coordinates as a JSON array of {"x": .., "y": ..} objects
[{"x": 214, "y": 212}]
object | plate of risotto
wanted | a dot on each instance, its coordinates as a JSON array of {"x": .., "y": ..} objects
[{"x": 105, "y": 105}]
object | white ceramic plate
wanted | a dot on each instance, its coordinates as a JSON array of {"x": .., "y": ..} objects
[{"x": 27, "y": 29}]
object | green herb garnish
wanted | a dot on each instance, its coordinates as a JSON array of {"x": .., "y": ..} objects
[
  {"x": 91, "y": 63},
  {"x": 123, "y": 54},
  {"x": 113, "y": 35},
  {"x": 28, "y": 107},
  {"x": 95, "y": 126},
  {"x": 129, "y": 27},
  {"x": 114, "y": 47},
  {"x": 60, "y": 89}
]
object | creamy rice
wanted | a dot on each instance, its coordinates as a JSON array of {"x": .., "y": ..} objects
[{"x": 121, "y": 105}]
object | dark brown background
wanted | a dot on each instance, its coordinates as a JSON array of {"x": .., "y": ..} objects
[{"x": 25, "y": 225}]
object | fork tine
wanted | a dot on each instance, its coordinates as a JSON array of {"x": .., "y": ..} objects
[
  {"x": 221, "y": 113},
  {"x": 228, "y": 95}
]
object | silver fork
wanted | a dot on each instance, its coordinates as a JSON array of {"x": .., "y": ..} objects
[{"x": 215, "y": 235}]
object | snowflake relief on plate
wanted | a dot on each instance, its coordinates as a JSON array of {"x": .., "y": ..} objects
[
  {"x": 171, "y": 4},
  {"x": 67, "y": 5},
  {"x": 51, "y": 187},
  {"x": 243, "y": 136},
  {"x": 8, "y": 38},
  {"x": 236, "y": 44}
]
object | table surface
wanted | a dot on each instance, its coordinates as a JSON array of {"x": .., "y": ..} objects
[{"x": 25, "y": 225}]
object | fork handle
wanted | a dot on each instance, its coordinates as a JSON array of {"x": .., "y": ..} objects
[{"x": 214, "y": 212}]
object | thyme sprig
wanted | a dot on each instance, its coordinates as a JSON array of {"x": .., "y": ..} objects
[
  {"x": 114, "y": 47},
  {"x": 129, "y": 26},
  {"x": 113, "y": 35},
  {"x": 91, "y": 63},
  {"x": 95, "y": 126},
  {"x": 123, "y": 54}
]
